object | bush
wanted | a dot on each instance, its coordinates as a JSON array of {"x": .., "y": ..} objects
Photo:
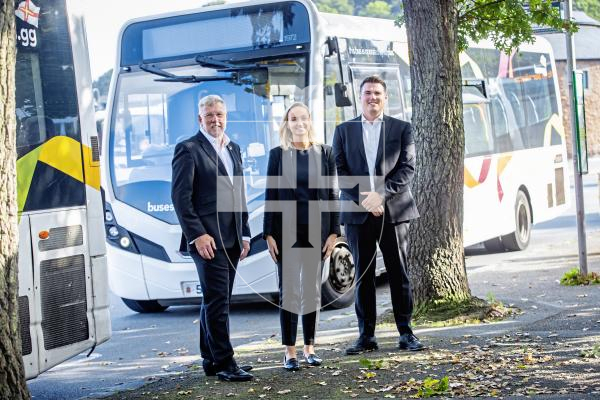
[{"x": 574, "y": 278}]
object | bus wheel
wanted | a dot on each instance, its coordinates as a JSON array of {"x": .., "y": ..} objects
[
  {"x": 144, "y": 306},
  {"x": 338, "y": 291},
  {"x": 519, "y": 239}
]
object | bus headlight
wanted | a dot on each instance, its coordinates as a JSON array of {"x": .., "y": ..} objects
[
  {"x": 113, "y": 232},
  {"x": 117, "y": 235},
  {"x": 124, "y": 242}
]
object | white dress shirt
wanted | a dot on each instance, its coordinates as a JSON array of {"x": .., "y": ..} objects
[
  {"x": 371, "y": 132},
  {"x": 222, "y": 151}
]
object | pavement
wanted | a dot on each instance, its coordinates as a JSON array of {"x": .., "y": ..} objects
[{"x": 536, "y": 353}]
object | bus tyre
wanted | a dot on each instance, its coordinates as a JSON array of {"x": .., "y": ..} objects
[
  {"x": 519, "y": 239},
  {"x": 494, "y": 245},
  {"x": 144, "y": 306},
  {"x": 338, "y": 290}
]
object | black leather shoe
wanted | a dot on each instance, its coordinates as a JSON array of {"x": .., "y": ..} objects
[
  {"x": 408, "y": 341},
  {"x": 362, "y": 345},
  {"x": 290, "y": 364},
  {"x": 233, "y": 373},
  {"x": 210, "y": 369},
  {"x": 313, "y": 360}
]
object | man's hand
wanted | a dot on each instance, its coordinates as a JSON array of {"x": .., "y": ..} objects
[
  {"x": 272, "y": 245},
  {"x": 329, "y": 245},
  {"x": 205, "y": 245},
  {"x": 378, "y": 212},
  {"x": 372, "y": 202},
  {"x": 245, "y": 250}
]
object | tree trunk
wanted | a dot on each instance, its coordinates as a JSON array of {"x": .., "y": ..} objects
[
  {"x": 437, "y": 254},
  {"x": 12, "y": 374}
]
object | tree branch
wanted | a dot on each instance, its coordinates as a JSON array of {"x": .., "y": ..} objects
[{"x": 476, "y": 8}]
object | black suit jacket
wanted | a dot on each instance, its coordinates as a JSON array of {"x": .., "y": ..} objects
[
  {"x": 395, "y": 163},
  {"x": 204, "y": 198},
  {"x": 281, "y": 187}
]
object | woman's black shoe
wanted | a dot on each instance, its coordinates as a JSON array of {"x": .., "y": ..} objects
[
  {"x": 313, "y": 360},
  {"x": 291, "y": 364}
]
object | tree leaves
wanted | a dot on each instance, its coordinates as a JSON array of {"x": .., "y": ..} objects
[
  {"x": 433, "y": 387},
  {"x": 507, "y": 23}
]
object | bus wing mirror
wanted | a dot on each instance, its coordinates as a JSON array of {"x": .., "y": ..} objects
[
  {"x": 341, "y": 95},
  {"x": 255, "y": 76}
]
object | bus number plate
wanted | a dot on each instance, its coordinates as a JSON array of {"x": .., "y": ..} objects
[{"x": 191, "y": 289}]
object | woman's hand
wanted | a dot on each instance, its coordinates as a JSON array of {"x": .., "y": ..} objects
[
  {"x": 272, "y": 245},
  {"x": 329, "y": 245}
]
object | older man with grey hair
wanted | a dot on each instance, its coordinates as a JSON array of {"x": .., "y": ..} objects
[{"x": 209, "y": 198}]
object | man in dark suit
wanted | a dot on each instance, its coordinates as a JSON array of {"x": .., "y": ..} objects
[
  {"x": 377, "y": 153},
  {"x": 209, "y": 198}
]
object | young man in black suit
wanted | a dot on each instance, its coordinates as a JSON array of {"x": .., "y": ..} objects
[
  {"x": 377, "y": 152},
  {"x": 209, "y": 198}
]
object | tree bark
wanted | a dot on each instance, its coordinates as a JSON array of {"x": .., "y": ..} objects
[
  {"x": 12, "y": 375},
  {"x": 437, "y": 254}
]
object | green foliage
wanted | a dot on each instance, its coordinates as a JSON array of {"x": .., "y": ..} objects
[
  {"x": 373, "y": 364},
  {"x": 590, "y": 7},
  {"x": 574, "y": 278},
  {"x": 378, "y": 9},
  {"x": 335, "y": 6},
  {"x": 433, "y": 387},
  {"x": 507, "y": 23},
  {"x": 214, "y": 3},
  {"x": 594, "y": 352},
  {"x": 103, "y": 82}
]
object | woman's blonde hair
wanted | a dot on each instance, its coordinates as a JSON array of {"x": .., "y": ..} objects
[{"x": 285, "y": 134}]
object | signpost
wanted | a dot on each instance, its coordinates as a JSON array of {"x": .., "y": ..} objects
[
  {"x": 578, "y": 155},
  {"x": 581, "y": 137}
]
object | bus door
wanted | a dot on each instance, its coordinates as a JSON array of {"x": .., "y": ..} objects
[
  {"x": 480, "y": 188},
  {"x": 390, "y": 73}
]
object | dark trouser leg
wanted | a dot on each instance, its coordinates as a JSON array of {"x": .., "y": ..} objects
[
  {"x": 204, "y": 346},
  {"x": 394, "y": 246},
  {"x": 287, "y": 319},
  {"x": 362, "y": 241},
  {"x": 309, "y": 326},
  {"x": 216, "y": 278}
]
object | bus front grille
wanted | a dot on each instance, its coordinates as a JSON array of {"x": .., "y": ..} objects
[
  {"x": 61, "y": 237},
  {"x": 24, "y": 325},
  {"x": 64, "y": 301}
]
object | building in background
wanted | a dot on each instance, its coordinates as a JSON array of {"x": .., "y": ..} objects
[{"x": 587, "y": 53}]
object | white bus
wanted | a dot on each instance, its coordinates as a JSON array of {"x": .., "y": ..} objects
[
  {"x": 262, "y": 56},
  {"x": 63, "y": 290}
]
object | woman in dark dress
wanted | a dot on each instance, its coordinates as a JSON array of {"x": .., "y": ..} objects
[{"x": 301, "y": 226}]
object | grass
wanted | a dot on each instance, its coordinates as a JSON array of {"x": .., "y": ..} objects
[
  {"x": 593, "y": 352},
  {"x": 575, "y": 278},
  {"x": 441, "y": 313}
]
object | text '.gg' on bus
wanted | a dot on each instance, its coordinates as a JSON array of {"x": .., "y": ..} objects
[
  {"x": 263, "y": 56},
  {"x": 63, "y": 291}
]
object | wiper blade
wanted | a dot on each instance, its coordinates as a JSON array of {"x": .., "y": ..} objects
[
  {"x": 206, "y": 61},
  {"x": 194, "y": 79},
  {"x": 169, "y": 77},
  {"x": 153, "y": 69}
]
